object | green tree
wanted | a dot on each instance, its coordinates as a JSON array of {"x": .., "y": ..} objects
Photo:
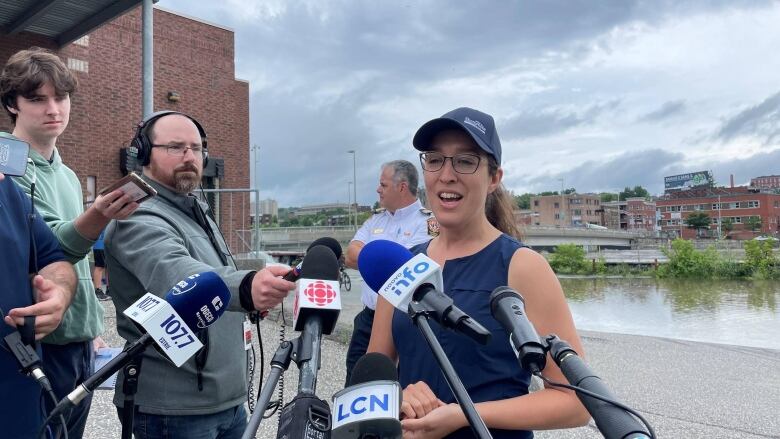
[
  {"x": 606, "y": 197},
  {"x": 698, "y": 221},
  {"x": 753, "y": 223},
  {"x": 523, "y": 201},
  {"x": 727, "y": 224},
  {"x": 637, "y": 191},
  {"x": 570, "y": 190},
  {"x": 760, "y": 257},
  {"x": 568, "y": 259},
  {"x": 547, "y": 193},
  {"x": 686, "y": 261}
]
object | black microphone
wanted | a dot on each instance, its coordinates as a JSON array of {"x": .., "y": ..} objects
[
  {"x": 328, "y": 242},
  {"x": 612, "y": 421},
  {"x": 195, "y": 302},
  {"x": 370, "y": 406},
  {"x": 508, "y": 307}
]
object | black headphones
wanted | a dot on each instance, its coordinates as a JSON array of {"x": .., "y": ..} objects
[{"x": 141, "y": 145}]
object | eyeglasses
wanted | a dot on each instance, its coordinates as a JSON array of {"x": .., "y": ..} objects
[
  {"x": 465, "y": 163},
  {"x": 180, "y": 150}
]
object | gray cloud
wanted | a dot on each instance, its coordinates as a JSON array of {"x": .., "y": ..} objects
[
  {"x": 552, "y": 121},
  {"x": 762, "y": 120},
  {"x": 330, "y": 76},
  {"x": 667, "y": 110},
  {"x": 646, "y": 168}
]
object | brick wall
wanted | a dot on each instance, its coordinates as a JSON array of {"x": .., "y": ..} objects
[{"x": 192, "y": 58}]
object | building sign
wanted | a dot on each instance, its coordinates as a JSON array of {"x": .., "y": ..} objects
[{"x": 687, "y": 181}]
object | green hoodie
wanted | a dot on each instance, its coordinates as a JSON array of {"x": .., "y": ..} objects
[{"x": 59, "y": 201}]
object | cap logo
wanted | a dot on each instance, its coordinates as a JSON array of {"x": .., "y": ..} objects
[{"x": 476, "y": 124}]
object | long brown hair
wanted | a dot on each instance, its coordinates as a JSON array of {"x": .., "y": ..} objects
[{"x": 499, "y": 206}]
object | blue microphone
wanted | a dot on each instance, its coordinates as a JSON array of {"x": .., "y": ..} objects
[
  {"x": 402, "y": 278},
  {"x": 194, "y": 303}
]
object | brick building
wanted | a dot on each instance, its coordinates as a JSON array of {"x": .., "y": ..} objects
[
  {"x": 633, "y": 214},
  {"x": 766, "y": 182},
  {"x": 194, "y": 72},
  {"x": 723, "y": 205},
  {"x": 568, "y": 210}
]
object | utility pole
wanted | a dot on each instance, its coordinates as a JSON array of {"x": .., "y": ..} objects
[{"x": 562, "y": 214}]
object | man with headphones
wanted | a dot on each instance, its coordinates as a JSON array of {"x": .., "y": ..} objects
[
  {"x": 170, "y": 237},
  {"x": 35, "y": 89}
]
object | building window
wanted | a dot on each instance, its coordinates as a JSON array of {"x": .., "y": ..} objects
[
  {"x": 78, "y": 65},
  {"x": 753, "y": 204},
  {"x": 83, "y": 41},
  {"x": 714, "y": 206},
  {"x": 536, "y": 203},
  {"x": 556, "y": 206}
]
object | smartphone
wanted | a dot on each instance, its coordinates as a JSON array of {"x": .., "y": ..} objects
[
  {"x": 13, "y": 156},
  {"x": 133, "y": 185}
]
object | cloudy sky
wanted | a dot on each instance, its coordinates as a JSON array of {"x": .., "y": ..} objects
[{"x": 604, "y": 94}]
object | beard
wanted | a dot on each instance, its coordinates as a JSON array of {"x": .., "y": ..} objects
[{"x": 186, "y": 180}]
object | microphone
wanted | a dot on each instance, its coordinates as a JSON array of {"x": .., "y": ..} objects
[
  {"x": 508, "y": 307},
  {"x": 317, "y": 289},
  {"x": 328, "y": 242},
  {"x": 612, "y": 421},
  {"x": 370, "y": 407},
  {"x": 391, "y": 270},
  {"x": 195, "y": 302}
]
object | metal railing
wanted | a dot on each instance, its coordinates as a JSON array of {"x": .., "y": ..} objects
[{"x": 232, "y": 211}]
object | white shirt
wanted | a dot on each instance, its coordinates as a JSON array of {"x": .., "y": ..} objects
[{"x": 408, "y": 226}]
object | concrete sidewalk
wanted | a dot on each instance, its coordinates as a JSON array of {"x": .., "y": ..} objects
[{"x": 684, "y": 389}]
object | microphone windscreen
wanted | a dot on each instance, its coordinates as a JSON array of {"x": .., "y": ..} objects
[
  {"x": 373, "y": 366},
  {"x": 379, "y": 259},
  {"x": 320, "y": 263},
  {"x": 200, "y": 299},
  {"x": 329, "y": 242}
]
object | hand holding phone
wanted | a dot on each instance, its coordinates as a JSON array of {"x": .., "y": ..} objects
[
  {"x": 132, "y": 185},
  {"x": 13, "y": 156}
]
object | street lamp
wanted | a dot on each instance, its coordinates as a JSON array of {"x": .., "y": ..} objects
[
  {"x": 349, "y": 203},
  {"x": 354, "y": 182}
]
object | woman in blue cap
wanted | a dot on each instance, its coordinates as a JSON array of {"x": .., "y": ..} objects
[{"x": 478, "y": 251}]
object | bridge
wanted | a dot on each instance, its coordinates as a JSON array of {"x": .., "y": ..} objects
[{"x": 283, "y": 241}]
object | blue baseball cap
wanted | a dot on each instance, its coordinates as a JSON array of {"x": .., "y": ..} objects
[{"x": 480, "y": 126}]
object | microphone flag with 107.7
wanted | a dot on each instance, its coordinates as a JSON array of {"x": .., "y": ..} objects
[
  {"x": 391, "y": 270},
  {"x": 370, "y": 407},
  {"x": 195, "y": 302},
  {"x": 317, "y": 290}
]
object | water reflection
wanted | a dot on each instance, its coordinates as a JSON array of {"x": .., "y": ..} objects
[{"x": 733, "y": 312}]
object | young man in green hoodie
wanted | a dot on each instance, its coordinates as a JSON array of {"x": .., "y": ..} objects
[{"x": 35, "y": 89}]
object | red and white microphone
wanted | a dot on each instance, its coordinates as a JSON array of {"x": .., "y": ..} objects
[{"x": 317, "y": 290}]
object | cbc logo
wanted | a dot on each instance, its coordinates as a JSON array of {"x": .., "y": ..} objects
[{"x": 320, "y": 293}]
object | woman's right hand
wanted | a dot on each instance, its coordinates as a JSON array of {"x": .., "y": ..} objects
[{"x": 418, "y": 401}]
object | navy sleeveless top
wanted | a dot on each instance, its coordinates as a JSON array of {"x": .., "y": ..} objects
[{"x": 489, "y": 372}]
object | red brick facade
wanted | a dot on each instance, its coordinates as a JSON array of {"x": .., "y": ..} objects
[
  {"x": 191, "y": 58},
  {"x": 738, "y": 204}
]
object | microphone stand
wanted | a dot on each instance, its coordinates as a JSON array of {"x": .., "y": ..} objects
[
  {"x": 305, "y": 351},
  {"x": 279, "y": 364},
  {"x": 419, "y": 315},
  {"x": 132, "y": 371}
]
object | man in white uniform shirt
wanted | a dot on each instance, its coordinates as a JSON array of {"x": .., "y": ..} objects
[{"x": 402, "y": 220}]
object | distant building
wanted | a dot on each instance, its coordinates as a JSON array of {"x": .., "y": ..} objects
[
  {"x": 723, "y": 205},
  {"x": 269, "y": 206},
  {"x": 320, "y": 208},
  {"x": 568, "y": 210},
  {"x": 766, "y": 182}
]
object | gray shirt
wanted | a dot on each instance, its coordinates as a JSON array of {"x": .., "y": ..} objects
[{"x": 159, "y": 245}]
